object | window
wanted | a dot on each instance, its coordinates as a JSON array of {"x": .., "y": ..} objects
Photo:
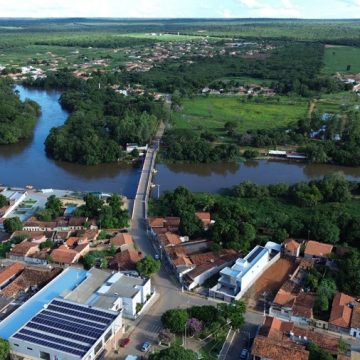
[
  {"x": 108, "y": 335},
  {"x": 98, "y": 347},
  {"x": 30, "y": 349},
  {"x": 16, "y": 345},
  {"x": 44, "y": 355}
]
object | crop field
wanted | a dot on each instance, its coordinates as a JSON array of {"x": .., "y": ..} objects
[
  {"x": 339, "y": 58},
  {"x": 211, "y": 113}
]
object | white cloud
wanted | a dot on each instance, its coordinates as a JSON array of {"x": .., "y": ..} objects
[
  {"x": 227, "y": 14},
  {"x": 282, "y": 8}
]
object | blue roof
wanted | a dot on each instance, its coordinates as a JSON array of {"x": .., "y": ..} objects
[{"x": 67, "y": 280}]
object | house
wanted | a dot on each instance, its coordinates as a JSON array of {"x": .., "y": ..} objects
[
  {"x": 25, "y": 248},
  {"x": 341, "y": 311},
  {"x": 65, "y": 256},
  {"x": 122, "y": 241},
  {"x": 205, "y": 218},
  {"x": 235, "y": 281},
  {"x": 355, "y": 322},
  {"x": 125, "y": 260},
  {"x": 170, "y": 239},
  {"x": 9, "y": 273},
  {"x": 291, "y": 248},
  {"x": 265, "y": 348},
  {"x": 113, "y": 291},
  {"x": 317, "y": 251}
]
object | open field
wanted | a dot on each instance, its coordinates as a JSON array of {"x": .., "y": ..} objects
[
  {"x": 338, "y": 58},
  {"x": 333, "y": 103},
  {"x": 211, "y": 113}
]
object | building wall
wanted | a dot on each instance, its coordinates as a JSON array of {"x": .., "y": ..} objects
[
  {"x": 254, "y": 271},
  {"x": 355, "y": 332},
  {"x": 145, "y": 291}
]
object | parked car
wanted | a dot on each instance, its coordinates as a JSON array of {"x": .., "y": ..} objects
[
  {"x": 124, "y": 342},
  {"x": 156, "y": 257},
  {"x": 145, "y": 346},
  {"x": 244, "y": 354}
]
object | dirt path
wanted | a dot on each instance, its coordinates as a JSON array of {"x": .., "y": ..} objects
[{"x": 312, "y": 107}]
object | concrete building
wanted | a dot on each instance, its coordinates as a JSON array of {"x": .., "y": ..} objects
[
  {"x": 66, "y": 330},
  {"x": 113, "y": 291},
  {"x": 355, "y": 322},
  {"x": 235, "y": 281}
]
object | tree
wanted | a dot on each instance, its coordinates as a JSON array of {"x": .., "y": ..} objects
[
  {"x": 12, "y": 224},
  {"x": 190, "y": 224},
  {"x": 174, "y": 352},
  {"x": 3, "y": 201},
  {"x": 54, "y": 206},
  {"x": 234, "y": 313},
  {"x": 195, "y": 326},
  {"x": 230, "y": 127},
  {"x": 4, "y": 349},
  {"x": 148, "y": 266},
  {"x": 46, "y": 244},
  {"x": 175, "y": 320},
  {"x": 250, "y": 154},
  {"x": 317, "y": 353}
]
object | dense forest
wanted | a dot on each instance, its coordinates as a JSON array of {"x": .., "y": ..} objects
[
  {"x": 17, "y": 118},
  {"x": 101, "y": 122}
]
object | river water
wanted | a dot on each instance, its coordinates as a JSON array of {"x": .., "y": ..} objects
[{"x": 27, "y": 164}]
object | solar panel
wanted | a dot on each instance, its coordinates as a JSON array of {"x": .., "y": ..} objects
[
  {"x": 255, "y": 254},
  {"x": 50, "y": 345},
  {"x": 62, "y": 333},
  {"x": 55, "y": 340},
  {"x": 80, "y": 315},
  {"x": 65, "y": 325},
  {"x": 84, "y": 309},
  {"x": 57, "y": 316}
]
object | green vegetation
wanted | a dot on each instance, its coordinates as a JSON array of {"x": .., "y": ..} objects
[
  {"x": 53, "y": 209},
  {"x": 98, "y": 258},
  {"x": 174, "y": 352},
  {"x": 109, "y": 214},
  {"x": 148, "y": 266},
  {"x": 341, "y": 59},
  {"x": 5, "y": 247},
  {"x": 17, "y": 119},
  {"x": 12, "y": 224},
  {"x": 4, "y": 349},
  {"x": 211, "y": 113},
  {"x": 175, "y": 320},
  {"x": 3, "y": 201}
]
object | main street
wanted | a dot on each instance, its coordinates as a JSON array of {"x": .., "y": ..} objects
[{"x": 169, "y": 293}]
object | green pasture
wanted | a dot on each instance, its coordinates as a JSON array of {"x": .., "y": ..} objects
[
  {"x": 338, "y": 58},
  {"x": 211, "y": 113}
]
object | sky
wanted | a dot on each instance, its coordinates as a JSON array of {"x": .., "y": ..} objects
[{"x": 182, "y": 8}]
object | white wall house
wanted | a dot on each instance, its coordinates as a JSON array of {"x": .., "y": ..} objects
[
  {"x": 113, "y": 291},
  {"x": 235, "y": 281},
  {"x": 355, "y": 322}
]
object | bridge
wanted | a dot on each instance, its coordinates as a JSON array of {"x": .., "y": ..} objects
[{"x": 140, "y": 203}]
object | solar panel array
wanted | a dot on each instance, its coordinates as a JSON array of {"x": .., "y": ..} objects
[{"x": 67, "y": 327}]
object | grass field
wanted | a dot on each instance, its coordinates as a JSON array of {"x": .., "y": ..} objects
[
  {"x": 211, "y": 113},
  {"x": 333, "y": 103},
  {"x": 338, "y": 58}
]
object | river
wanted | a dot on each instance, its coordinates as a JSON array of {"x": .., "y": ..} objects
[{"x": 27, "y": 164}]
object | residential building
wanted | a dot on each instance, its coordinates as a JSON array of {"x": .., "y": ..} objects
[
  {"x": 291, "y": 247},
  {"x": 59, "y": 224},
  {"x": 9, "y": 273},
  {"x": 341, "y": 311},
  {"x": 65, "y": 256},
  {"x": 355, "y": 322},
  {"x": 125, "y": 260},
  {"x": 235, "y": 281},
  {"x": 67, "y": 330},
  {"x": 317, "y": 251},
  {"x": 113, "y": 291},
  {"x": 205, "y": 218},
  {"x": 122, "y": 241},
  {"x": 22, "y": 250}
]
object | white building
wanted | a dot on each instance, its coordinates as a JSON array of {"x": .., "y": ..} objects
[
  {"x": 68, "y": 331},
  {"x": 355, "y": 322},
  {"x": 131, "y": 147},
  {"x": 14, "y": 198},
  {"x": 113, "y": 291},
  {"x": 235, "y": 281}
]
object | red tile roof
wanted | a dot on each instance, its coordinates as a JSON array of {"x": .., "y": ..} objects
[
  {"x": 24, "y": 248},
  {"x": 125, "y": 260},
  {"x": 8, "y": 272},
  {"x": 205, "y": 217},
  {"x": 355, "y": 319},
  {"x": 341, "y": 311},
  {"x": 315, "y": 248},
  {"x": 62, "y": 255},
  {"x": 272, "y": 349},
  {"x": 122, "y": 239},
  {"x": 291, "y": 245}
]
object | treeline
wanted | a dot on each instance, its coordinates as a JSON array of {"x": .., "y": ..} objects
[
  {"x": 17, "y": 118},
  {"x": 324, "y": 210},
  {"x": 101, "y": 122},
  {"x": 292, "y": 67},
  {"x": 339, "y": 143},
  {"x": 183, "y": 145}
]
